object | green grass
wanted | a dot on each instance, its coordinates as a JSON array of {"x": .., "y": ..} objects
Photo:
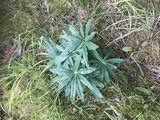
[{"x": 28, "y": 93}]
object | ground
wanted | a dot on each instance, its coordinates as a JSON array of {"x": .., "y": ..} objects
[{"x": 130, "y": 27}]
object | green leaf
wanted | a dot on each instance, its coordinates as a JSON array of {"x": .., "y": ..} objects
[
  {"x": 60, "y": 48},
  {"x": 80, "y": 90},
  {"x": 108, "y": 54},
  {"x": 96, "y": 92},
  {"x": 68, "y": 89},
  {"x": 92, "y": 46},
  {"x": 116, "y": 60},
  {"x": 96, "y": 83},
  {"x": 74, "y": 31},
  {"x": 111, "y": 72},
  {"x": 70, "y": 38},
  {"x": 77, "y": 63},
  {"x": 59, "y": 59},
  {"x": 73, "y": 89},
  {"x": 56, "y": 79},
  {"x": 88, "y": 25},
  {"x": 85, "y": 82},
  {"x": 85, "y": 57},
  {"x": 98, "y": 57},
  {"x": 84, "y": 71},
  {"x": 89, "y": 37},
  {"x": 111, "y": 66},
  {"x": 137, "y": 42},
  {"x": 81, "y": 30},
  {"x": 61, "y": 72},
  {"x": 102, "y": 71},
  {"x": 144, "y": 90},
  {"x": 127, "y": 49},
  {"x": 52, "y": 43},
  {"x": 62, "y": 84},
  {"x": 71, "y": 47},
  {"x": 50, "y": 47},
  {"x": 106, "y": 75},
  {"x": 51, "y": 63}
]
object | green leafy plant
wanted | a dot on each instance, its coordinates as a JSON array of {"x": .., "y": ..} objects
[{"x": 78, "y": 63}]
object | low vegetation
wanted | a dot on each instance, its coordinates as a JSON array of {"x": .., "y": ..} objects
[{"x": 126, "y": 30}]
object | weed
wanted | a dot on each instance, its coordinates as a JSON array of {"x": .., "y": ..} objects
[
  {"x": 28, "y": 94},
  {"x": 73, "y": 66}
]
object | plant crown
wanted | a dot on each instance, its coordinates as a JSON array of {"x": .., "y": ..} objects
[{"x": 78, "y": 63}]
